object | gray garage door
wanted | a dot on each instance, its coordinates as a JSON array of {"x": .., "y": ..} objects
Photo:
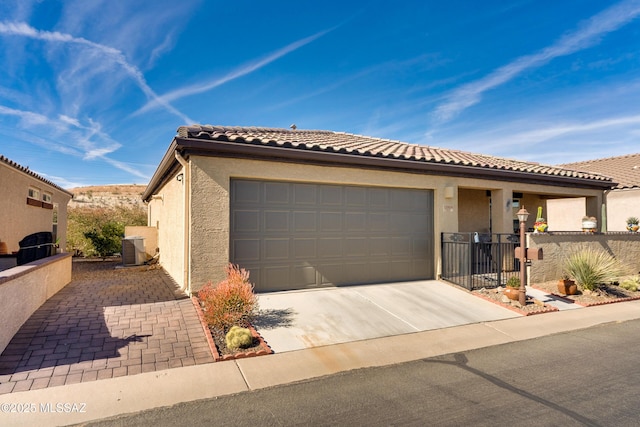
[{"x": 300, "y": 235}]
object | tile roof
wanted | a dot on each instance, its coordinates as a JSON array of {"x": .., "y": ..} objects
[
  {"x": 625, "y": 170},
  {"x": 26, "y": 170},
  {"x": 357, "y": 145}
]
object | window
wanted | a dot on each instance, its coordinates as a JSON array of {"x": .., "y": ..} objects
[
  {"x": 34, "y": 193},
  {"x": 46, "y": 201},
  {"x": 33, "y": 197}
]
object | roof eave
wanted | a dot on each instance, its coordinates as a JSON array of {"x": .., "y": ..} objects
[{"x": 189, "y": 146}]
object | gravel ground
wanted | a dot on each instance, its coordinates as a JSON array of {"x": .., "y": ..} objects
[
  {"x": 532, "y": 306},
  {"x": 607, "y": 294}
]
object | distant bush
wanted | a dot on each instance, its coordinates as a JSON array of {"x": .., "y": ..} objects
[
  {"x": 89, "y": 230},
  {"x": 231, "y": 302}
]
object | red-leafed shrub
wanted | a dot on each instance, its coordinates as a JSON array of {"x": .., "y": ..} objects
[{"x": 231, "y": 302}]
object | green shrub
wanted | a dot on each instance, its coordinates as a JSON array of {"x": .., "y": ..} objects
[
  {"x": 513, "y": 282},
  {"x": 238, "y": 337},
  {"x": 108, "y": 240},
  {"x": 84, "y": 220},
  {"x": 591, "y": 268},
  {"x": 230, "y": 303},
  {"x": 632, "y": 284}
]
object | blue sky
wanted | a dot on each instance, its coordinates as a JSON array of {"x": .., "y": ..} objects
[{"x": 92, "y": 92}]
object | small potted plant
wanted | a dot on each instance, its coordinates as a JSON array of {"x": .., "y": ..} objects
[
  {"x": 540, "y": 226},
  {"x": 589, "y": 224},
  {"x": 633, "y": 224},
  {"x": 512, "y": 289},
  {"x": 566, "y": 286}
]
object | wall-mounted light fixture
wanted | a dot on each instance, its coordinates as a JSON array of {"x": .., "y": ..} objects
[
  {"x": 448, "y": 192},
  {"x": 180, "y": 177}
]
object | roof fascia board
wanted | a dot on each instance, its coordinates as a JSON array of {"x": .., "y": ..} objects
[{"x": 162, "y": 173}]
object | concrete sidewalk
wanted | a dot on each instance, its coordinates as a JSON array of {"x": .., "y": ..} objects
[{"x": 163, "y": 388}]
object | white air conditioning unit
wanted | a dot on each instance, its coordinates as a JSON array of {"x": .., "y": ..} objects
[{"x": 133, "y": 252}]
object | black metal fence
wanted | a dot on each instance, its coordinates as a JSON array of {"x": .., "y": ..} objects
[{"x": 477, "y": 260}]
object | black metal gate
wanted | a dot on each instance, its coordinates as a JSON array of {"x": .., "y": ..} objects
[{"x": 477, "y": 260}]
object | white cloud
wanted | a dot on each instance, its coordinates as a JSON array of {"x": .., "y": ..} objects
[
  {"x": 24, "y": 30},
  {"x": 587, "y": 35},
  {"x": 235, "y": 74}
]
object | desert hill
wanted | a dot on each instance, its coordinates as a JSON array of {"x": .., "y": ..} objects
[{"x": 107, "y": 196}]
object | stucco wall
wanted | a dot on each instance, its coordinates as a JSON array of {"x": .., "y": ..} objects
[
  {"x": 150, "y": 235},
  {"x": 621, "y": 204},
  {"x": 625, "y": 247},
  {"x": 166, "y": 214},
  {"x": 17, "y": 219},
  {"x": 474, "y": 210},
  {"x": 25, "y": 288}
]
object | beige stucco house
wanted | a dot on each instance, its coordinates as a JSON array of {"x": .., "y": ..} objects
[
  {"x": 30, "y": 204},
  {"x": 302, "y": 209},
  {"x": 621, "y": 202}
]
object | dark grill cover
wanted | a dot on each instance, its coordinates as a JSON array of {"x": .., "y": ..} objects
[{"x": 35, "y": 246}]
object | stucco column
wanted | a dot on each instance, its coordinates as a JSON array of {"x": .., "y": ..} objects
[
  {"x": 447, "y": 208},
  {"x": 594, "y": 208},
  {"x": 502, "y": 210}
]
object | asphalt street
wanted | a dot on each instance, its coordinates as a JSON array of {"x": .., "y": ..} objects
[{"x": 582, "y": 378}]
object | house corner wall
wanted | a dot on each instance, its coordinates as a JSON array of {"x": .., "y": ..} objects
[{"x": 166, "y": 214}]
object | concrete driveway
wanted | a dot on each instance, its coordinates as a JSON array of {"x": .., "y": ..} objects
[{"x": 295, "y": 320}]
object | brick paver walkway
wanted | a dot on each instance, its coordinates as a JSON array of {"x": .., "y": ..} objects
[{"x": 108, "y": 322}]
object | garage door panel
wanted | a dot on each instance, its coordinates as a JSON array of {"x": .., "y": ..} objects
[
  {"x": 355, "y": 221},
  {"x": 278, "y": 277},
  {"x": 276, "y": 221},
  {"x": 378, "y": 222},
  {"x": 246, "y": 250},
  {"x": 356, "y": 246},
  {"x": 246, "y": 192},
  {"x": 305, "y": 194},
  {"x": 330, "y": 247},
  {"x": 330, "y": 273},
  {"x": 305, "y": 222},
  {"x": 401, "y": 246},
  {"x": 305, "y": 248},
  {"x": 276, "y": 249},
  {"x": 378, "y": 198},
  {"x": 380, "y": 246},
  {"x": 304, "y": 275},
  {"x": 330, "y": 195},
  {"x": 246, "y": 221},
  {"x": 356, "y": 197},
  {"x": 308, "y": 235},
  {"x": 330, "y": 221},
  {"x": 276, "y": 193}
]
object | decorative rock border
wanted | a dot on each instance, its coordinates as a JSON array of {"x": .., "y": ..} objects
[
  {"x": 264, "y": 347},
  {"x": 589, "y": 304},
  {"x": 544, "y": 308}
]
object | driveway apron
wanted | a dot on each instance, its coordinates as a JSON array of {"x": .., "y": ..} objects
[
  {"x": 108, "y": 322},
  {"x": 296, "y": 320}
]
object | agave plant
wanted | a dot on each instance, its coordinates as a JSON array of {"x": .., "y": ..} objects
[{"x": 591, "y": 268}]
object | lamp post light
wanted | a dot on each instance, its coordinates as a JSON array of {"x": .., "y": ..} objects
[{"x": 522, "y": 217}]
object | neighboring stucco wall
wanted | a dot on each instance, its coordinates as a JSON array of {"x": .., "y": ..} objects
[
  {"x": 625, "y": 247},
  {"x": 166, "y": 214},
  {"x": 210, "y": 178},
  {"x": 150, "y": 235},
  {"x": 17, "y": 218},
  {"x": 25, "y": 288},
  {"x": 566, "y": 214},
  {"x": 621, "y": 204}
]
